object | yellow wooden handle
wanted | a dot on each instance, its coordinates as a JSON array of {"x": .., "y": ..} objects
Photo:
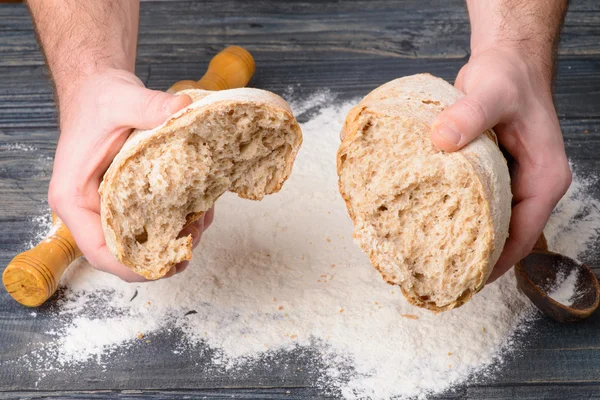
[
  {"x": 231, "y": 68},
  {"x": 32, "y": 277}
]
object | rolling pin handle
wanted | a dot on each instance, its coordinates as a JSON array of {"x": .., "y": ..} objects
[
  {"x": 32, "y": 277},
  {"x": 231, "y": 68}
]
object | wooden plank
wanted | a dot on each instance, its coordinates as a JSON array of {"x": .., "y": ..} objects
[
  {"x": 26, "y": 95},
  {"x": 349, "y": 47},
  {"x": 533, "y": 392},
  {"x": 294, "y": 30}
]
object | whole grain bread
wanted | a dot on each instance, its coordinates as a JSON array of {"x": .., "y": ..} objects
[
  {"x": 240, "y": 140},
  {"x": 432, "y": 222}
]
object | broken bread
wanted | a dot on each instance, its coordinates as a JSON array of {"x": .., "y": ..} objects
[
  {"x": 433, "y": 223},
  {"x": 241, "y": 140}
]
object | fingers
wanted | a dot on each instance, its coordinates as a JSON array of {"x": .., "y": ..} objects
[
  {"x": 195, "y": 229},
  {"x": 537, "y": 190},
  {"x": 146, "y": 109},
  {"x": 209, "y": 217},
  {"x": 527, "y": 222},
  {"x": 86, "y": 228},
  {"x": 481, "y": 109},
  {"x": 180, "y": 267}
]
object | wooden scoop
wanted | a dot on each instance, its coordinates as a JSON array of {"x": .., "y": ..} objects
[
  {"x": 33, "y": 276},
  {"x": 537, "y": 275}
]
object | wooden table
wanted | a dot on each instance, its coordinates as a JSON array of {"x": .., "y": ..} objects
[{"x": 350, "y": 47}]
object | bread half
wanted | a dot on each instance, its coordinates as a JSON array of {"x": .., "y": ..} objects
[
  {"x": 432, "y": 222},
  {"x": 241, "y": 140}
]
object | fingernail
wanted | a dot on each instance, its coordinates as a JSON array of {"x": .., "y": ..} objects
[{"x": 448, "y": 133}]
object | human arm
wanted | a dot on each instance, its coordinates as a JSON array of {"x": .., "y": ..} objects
[
  {"x": 508, "y": 86},
  {"x": 90, "y": 50}
]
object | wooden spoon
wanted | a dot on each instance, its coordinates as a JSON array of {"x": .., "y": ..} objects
[{"x": 537, "y": 275}]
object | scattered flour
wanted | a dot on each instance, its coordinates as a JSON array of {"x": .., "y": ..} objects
[
  {"x": 564, "y": 290},
  {"x": 17, "y": 147},
  {"x": 283, "y": 274}
]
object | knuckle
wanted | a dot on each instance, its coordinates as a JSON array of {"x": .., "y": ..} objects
[
  {"x": 561, "y": 178},
  {"x": 565, "y": 179},
  {"x": 56, "y": 197}
]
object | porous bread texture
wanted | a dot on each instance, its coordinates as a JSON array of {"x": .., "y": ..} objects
[
  {"x": 432, "y": 222},
  {"x": 241, "y": 140}
]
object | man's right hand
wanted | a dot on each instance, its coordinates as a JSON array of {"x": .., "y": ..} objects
[{"x": 97, "y": 114}]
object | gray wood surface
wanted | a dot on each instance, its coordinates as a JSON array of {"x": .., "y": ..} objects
[{"x": 349, "y": 47}]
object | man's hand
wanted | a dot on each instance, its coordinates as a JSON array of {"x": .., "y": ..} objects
[
  {"x": 90, "y": 50},
  {"x": 507, "y": 82},
  {"x": 96, "y": 119}
]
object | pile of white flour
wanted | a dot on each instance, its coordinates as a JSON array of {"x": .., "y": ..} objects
[{"x": 284, "y": 272}]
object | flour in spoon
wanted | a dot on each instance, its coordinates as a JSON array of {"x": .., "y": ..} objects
[
  {"x": 564, "y": 291},
  {"x": 284, "y": 274}
]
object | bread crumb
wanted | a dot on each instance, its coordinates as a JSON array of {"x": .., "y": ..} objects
[
  {"x": 586, "y": 132},
  {"x": 148, "y": 341},
  {"x": 280, "y": 308},
  {"x": 483, "y": 330},
  {"x": 341, "y": 310},
  {"x": 140, "y": 335},
  {"x": 449, "y": 354},
  {"x": 332, "y": 265},
  {"x": 410, "y": 316},
  {"x": 328, "y": 240},
  {"x": 293, "y": 336}
]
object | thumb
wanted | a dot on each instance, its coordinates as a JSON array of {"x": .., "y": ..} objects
[
  {"x": 146, "y": 109},
  {"x": 465, "y": 120}
]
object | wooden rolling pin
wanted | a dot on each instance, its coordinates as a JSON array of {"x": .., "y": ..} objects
[{"x": 33, "y": 276}]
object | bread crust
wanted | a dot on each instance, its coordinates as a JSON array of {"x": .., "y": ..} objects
[
  {"x": 203, "y": 102},
  {"x": 416, "y": 100}
]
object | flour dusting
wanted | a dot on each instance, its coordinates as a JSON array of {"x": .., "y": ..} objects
[
  {"x": 564, "y": 290},
  {"x": 17, "y": 147},
  {"x": 284, "y": 274}
]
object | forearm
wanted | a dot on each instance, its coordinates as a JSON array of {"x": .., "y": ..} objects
[
  {"x": 529, "y": 26},
  {"x": 82, "y": 37}
]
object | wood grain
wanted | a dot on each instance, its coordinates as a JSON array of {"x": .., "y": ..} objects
[{"x": 349, "y": 47}]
